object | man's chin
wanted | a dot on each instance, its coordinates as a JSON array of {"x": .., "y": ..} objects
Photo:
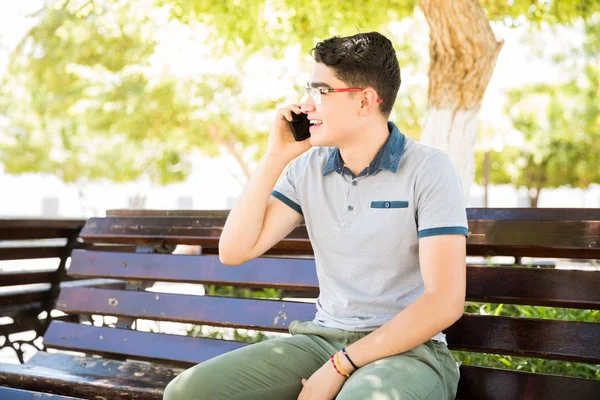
[{"x": 318, "y": 141}]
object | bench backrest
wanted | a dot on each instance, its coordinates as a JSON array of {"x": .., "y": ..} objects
[
  {"x": 554, "y": 233},
  {"x": 25, "y": 293}
]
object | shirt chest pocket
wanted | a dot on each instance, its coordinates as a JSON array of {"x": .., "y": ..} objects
[{"x": 389, "y": 204}]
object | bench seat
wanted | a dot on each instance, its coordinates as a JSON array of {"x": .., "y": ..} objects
[{"x": 122, "y": 362}]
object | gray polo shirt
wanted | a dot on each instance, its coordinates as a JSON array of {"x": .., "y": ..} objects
[{"x": 365, "y": 229}]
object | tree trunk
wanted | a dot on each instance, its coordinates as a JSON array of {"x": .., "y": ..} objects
[
  {"x": 534, "y": 196},
  {"x": 463, "y": 52}
]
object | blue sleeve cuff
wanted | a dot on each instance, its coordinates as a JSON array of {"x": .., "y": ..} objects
[
  {"x": 447, "y": 230},
  {"x": 287, "y": 201}
]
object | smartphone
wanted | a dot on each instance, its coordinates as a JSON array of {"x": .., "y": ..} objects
[{"x": 300, "y": 126}]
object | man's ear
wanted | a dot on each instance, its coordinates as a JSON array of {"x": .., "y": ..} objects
[{"x": 368, "y": 102}]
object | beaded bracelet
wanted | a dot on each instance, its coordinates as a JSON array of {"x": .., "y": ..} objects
[
  {"x": 348, "y": 357},
  {"x": 336, "y": 368},
  {"x": 337, "y": 359}
]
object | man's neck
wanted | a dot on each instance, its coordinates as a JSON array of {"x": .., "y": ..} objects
[{"x": 358, "y": 154}]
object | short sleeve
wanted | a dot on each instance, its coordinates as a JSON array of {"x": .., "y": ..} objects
[
  {"x": 439, "y": 198},
  {"x": 286, "y": 189}
]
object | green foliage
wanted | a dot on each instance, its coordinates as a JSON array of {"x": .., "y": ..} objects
[
  {"x": 535, "y": 365},
  {"x": 245, "y": 293},
  {"x": 580, "y": 370},
  {"x": 560, "y": 124},
  {"x": 84, "y": 101},
  {"x": 539, "y": 312},
  {"x": 270, "y": 26},
  {"x": 241, "y": 335},
  {"x": 513, "y": 13},
  {"x": 81, "y": 103},
  {"x": 260, "y": 25}
]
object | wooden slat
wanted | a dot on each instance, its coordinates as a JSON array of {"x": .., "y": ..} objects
[
  {"x": 29, "y": 253},
  {"x": 217, "y": 311},
  {"x": 32, "y": 323},
  {"x": 169, "y": 213},
  {"x": 526, "y": 337},
  {"x": 25, "y": 229},
  {"x": 534, "y": 214},
  {"x": 284, "y": 249},
  {"x": 14, "y": 278},
  {"x": 496, "y": 214},
  {"x": 530, "y": 251},
  {"x": 167, "y": 230},
  {"x": 534, "y": 286},
  {"x": 511, "y": 285},
  {"x": 105, "y": 247},
  {"x": 94, "y": 282},
  {"x": 477, "y": 383},
  {"x": 86, "y": 386},
  {"x": 23, "y": 296},
  {"x": 106, "y": 368},
  {"x": 20, "y": 394},
  {"x": 509, "y": 236},
  {"x": 20, "y": 309},
  {"x": 574, "y": 239},
  {"x": 265, "y": 272},
  {"x": 108, "y": 379},
  {"x": 32, "y": 223},
  {"x": 178, "y": 350},
  {"x": 561, "y": 340}
]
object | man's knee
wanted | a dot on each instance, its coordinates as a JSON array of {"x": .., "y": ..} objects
[
  {"x": 192, "y": 384},
  {"x": 176, "y": 390}
]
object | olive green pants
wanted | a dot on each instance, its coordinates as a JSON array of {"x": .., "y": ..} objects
[{"x": 273, "y": 369}]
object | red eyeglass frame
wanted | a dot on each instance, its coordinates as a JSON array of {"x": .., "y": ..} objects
[{"x": 330, "y": 90}]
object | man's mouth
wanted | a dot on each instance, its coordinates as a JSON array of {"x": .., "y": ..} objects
[{"x": 316, "y": 122}]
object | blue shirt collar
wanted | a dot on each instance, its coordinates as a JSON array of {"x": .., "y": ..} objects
[{"x": 388, "y": 157}]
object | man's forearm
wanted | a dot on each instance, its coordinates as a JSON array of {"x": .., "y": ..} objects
[
  {"x": 245, "y": 221},
  {"x": 419, "y": 322}
]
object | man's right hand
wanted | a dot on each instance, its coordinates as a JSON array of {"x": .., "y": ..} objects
[{"x": 281, "y": 142}]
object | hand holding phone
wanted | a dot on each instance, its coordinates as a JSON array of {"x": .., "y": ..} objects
[
  {"x": 300, "y": 126},
  {"x": 288, "y": 133}
]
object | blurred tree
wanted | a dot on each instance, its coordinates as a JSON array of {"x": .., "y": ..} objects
[
  {"x": 463, "y": 49},
  {"x": 73, "y": 97},
  {"x": 560, "y": 125},
  {"x": 84, "y": 103}
]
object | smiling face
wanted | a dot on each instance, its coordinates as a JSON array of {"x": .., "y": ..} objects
[{"x": 336, "y": 120}]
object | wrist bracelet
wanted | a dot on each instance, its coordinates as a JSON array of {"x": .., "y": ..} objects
[
  {"x": 337, "y": 359},
  {"x": 348, "y": 357},
  {"x": 336, "y": 368}
]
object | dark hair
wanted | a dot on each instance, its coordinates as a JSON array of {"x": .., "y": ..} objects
[{"x": 364, "y": 59}]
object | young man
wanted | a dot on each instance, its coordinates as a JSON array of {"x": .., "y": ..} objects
[{"x": 388, "y": 226}]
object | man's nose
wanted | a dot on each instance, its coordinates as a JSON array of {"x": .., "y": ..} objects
[{"x": 307, "y": 105}]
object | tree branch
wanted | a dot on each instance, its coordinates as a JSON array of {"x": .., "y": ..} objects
[{"x": 230, "y": 146}]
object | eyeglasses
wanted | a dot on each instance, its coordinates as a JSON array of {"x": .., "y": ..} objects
[{"x": 315, "y": 93}]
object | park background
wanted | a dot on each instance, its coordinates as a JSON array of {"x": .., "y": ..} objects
[{"x": 167, "y": 104}]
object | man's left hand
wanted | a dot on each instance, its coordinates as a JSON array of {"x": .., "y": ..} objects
[{"x": 324, "y": 384}]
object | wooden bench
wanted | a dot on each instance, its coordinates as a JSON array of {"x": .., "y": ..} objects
[
  {"x": 136, "y": 364},
  {"x": 27, "y": 295},
  {"x": 24, "y": 294}
]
